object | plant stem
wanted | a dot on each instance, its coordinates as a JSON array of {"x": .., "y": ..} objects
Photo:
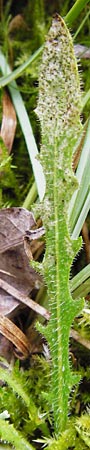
[{"x": 31, "y": 197}]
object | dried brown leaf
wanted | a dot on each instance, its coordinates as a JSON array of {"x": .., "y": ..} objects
[
  {"x": 18, "y": 279},
  {"x": 14, "y": 335},
  {"x": 16, "y": 23},
  {"x": 9, "y": 122},
  {"x": 14, "y": 223}
]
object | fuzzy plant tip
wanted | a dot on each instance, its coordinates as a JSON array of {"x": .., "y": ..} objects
[{"x": 59, "y": 106}]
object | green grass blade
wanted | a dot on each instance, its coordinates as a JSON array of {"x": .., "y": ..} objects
[
  {"x": 75, "y": 11},
  {"x": 81, "y": 218},
  {"x": 85, "y": 99},
  {"x": 26, "y": 129},
  {"x": 9, "y": 77},
  {"x": 80, "y": 284},
  {"x": 82, "y": 290},
  {"x": 31, "y": 196},
  {"x": 80, "y": 202},
  {"x": 81, "y": 25}
]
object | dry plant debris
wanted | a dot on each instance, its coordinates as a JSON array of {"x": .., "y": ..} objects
[
  {"x": 18, "y": 279},
  {"x": 9, "y": 122}
]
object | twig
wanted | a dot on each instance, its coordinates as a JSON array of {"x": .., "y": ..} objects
[
  {"x": 24, "y": 299},
  {"x": 75, "y": 335}
]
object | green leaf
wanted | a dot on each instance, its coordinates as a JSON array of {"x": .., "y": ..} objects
[
  {"x": 15, "y": 380},
  {"x": 9, "y": 434},
  {"x": 59, "y": 107}
]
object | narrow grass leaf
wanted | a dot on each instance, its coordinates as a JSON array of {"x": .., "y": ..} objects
[
  {"x": 80, "y": 284},
  {"x": 74, "y": 12},
  {"x": 85, "y": 99},
  {"x": 80, "y": 202},
  {"x": 81, "y": 25},
  {"x": 26, "y": 129},
  {"x": 81, "y": 218},
  {"x": 9, "y": 77}
]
